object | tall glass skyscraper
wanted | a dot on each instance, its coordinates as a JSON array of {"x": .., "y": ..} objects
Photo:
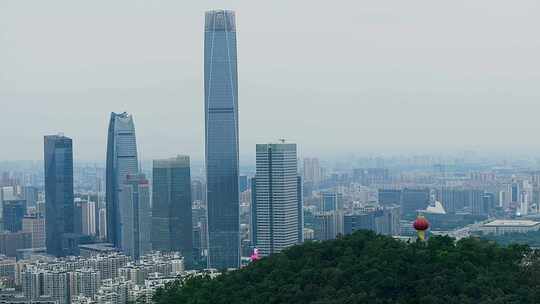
[
  {"x": 276, "y": 204},
  {"x": 58, "y": 192},
  {"x": 135, "y": 216},
  {"x": 121, "y": 161},
  {"x": 172, "y": 225},
  {"x": 221, "y": 121}
]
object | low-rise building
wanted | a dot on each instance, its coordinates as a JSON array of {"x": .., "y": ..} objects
[{"x": 500, "y": 227}]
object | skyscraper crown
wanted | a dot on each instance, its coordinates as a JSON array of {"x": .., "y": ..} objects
[{"x": 220, "y": 20}]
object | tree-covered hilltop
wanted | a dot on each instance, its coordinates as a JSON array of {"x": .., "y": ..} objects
[{"x": 368, "y": 268}]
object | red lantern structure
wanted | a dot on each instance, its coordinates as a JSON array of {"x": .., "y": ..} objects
[{"x": 421, "y": 224}]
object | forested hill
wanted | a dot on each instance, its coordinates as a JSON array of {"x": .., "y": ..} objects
[{"x": 367, "y": 268}]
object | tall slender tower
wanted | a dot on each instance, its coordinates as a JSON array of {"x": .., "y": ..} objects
[
  {"x": 221, "y": 122},
  {"x": 172, "y": 225},
  {"x": 135, "y": 216},
  {"x": 121, "y": 161},
  {"x": 276, "y": 201},
  {"x": 59, "y": 206}
]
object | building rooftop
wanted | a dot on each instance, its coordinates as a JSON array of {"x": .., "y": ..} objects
[
  {"x": 512, "y": 223},
  {"x": 101, "y": 247},
  {"x": 437, "y": 208}
]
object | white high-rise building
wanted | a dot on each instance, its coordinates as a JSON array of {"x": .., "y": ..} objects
[
  {"x": 32, "y": 283},
  {"x": 88, "y": 212},
  {"x": 55, "y": 285},
  {"x": 102, "y": 223},
  {"x": 275, "y": 210},
  {"x": 87, "y": 282},
  {"x": 312, "y": 170}
]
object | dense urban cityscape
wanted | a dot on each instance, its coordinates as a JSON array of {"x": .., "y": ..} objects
[{"x": 120, "y": 230}]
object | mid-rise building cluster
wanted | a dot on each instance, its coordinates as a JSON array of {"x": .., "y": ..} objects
[{"x": 112, "y": 278}]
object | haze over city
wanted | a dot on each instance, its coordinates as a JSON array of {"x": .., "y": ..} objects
[
  {"x": 334, "y": 77},
  {"x": 158, "y": 152}
]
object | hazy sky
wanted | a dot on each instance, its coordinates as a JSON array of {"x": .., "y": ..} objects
[{"x": 334, "y": 76}]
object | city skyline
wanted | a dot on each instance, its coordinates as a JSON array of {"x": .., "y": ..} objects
[
  {"x": 340, "y": 143},
  {"x": 435, "y": 91}
]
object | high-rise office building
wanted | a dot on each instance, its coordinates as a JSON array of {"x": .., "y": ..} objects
[
  {"x": 253, "y": 212},
  {"x": 77, "y": 215},
  {"x": 328, "y": 225},
  {"x": 332, "y": 201},
  {"x": 135, "y": 216},
  {"x": 276, "y": 200},
  {"x": 88, "y": 218},
  {"x": 389, "y": 223},
  {"x": 453, "y": 199},
  {"x": 200, "y": 232},
  {"x": 413, "y": 200},
  {"x": 457, "y": 199},
  {"x": 121, "y": 161},
  {"x": 172, "y": 228},
  {"x": 389, "y": 197},
  {"x": 12, "y": 215},
  {"x": 40, "y": 208},
  {"x": 30, "y": 195},
  {"x": 8, "y": 194},
  {"x": 300, "y": 198},
  {"x": 515, "y": 191},
  {"x": 487, "y": 204},
  {"x": 243, "y": 183},
  {"x": 384, "y": 220},
  {"x": 312, "y": 171},
  {"x": 58, "y": 192},
  {"x": 102, "y": 223},
  {"x": 198, "y": 191},
  {"x": 35, "y": 225},
  {"x": 221, "y": 125},
  {"x": 11, "y": 242}
]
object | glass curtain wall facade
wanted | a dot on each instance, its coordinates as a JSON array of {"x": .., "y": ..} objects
[
  {"x": 135, "y": 216},
  {"x": 172, "y": 224},
  {"x": 59, "y": 209},
  {"x": 121, "y": 161},
  {"x": 221, "y": 139}
]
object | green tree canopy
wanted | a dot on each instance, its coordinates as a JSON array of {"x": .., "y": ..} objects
[{"x": 368, "y": 268}]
